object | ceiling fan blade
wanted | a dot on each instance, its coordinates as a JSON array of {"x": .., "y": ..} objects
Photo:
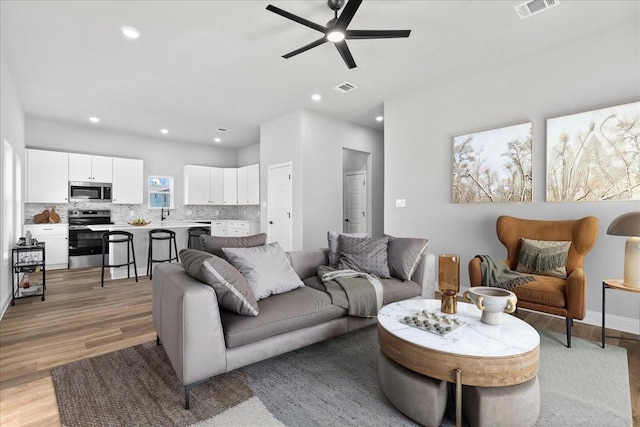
[
  {"x": 347, "y": 14},
  {"x": 305, "y": 47},
  {"x": 376, "y": 34},
  {"x": 345, "y": 53},
  {"x": 297, "y": 19}
]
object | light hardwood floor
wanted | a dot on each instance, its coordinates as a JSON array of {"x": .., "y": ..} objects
[{"x": 79, "y": 319}]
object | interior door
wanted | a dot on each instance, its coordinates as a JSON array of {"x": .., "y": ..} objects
[
  {"x": 280, "y": 202},
  {"x": 355, "y": 202}
]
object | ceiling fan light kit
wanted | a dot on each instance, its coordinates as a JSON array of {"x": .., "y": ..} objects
[{"x": 336, "y": 29}]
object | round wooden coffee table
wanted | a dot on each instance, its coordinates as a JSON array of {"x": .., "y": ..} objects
[{"x": 475, "y": 354}]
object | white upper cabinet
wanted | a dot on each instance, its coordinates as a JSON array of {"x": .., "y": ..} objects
[
  {"x": 88, "y": 168},
  {"x": 249, "y": 185},
  {"x": 47, "y": 176},
  {"x": 230, "y": 186},
  {"x": 203, "y": 185},
  {"x": 128, "y": 181}
]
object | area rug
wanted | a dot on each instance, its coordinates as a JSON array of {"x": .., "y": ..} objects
[{"x": 333, "y": 383}]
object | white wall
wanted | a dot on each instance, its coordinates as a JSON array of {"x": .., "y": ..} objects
[
  {"x": 589, "y": 73},
  {"x": 280, "y": 142},
  {"x": 249, "y": 155},
  {"x": 161, "y": 156},
  {"x": 12, "y": 130},
  {"x": 324, "y": 138},
  {"x": 314, "y": 143}
]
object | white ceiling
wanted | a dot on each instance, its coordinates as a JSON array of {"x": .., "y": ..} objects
[{"x": 200, "y": 65}]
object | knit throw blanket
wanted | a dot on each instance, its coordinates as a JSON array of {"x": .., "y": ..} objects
[
  {"x": 497, "y": 274},
  {"x": 359, "y": 293}
]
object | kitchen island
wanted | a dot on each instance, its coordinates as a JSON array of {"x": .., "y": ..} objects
[{"x": 118, "y": 252}]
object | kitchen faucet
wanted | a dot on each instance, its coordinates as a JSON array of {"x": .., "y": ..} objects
[{"x": 162, "y": 217}]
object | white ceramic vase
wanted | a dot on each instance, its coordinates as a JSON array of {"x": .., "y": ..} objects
[{"x": 492, "y": 302}]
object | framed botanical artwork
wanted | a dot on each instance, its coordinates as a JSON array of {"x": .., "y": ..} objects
[
  {"x": 594, "y": 155},
  {"x": 493, "y": 166}
]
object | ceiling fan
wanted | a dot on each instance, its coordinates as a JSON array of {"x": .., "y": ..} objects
[{"x": 336, "y": 29}]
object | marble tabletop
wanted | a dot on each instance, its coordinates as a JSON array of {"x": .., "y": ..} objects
[{"x": 512, "y": 337}]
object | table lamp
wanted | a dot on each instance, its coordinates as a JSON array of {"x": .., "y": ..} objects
[{"x": 629, "y": 225}]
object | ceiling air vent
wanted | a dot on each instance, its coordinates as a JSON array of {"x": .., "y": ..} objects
[
  {"x": 345, "y": 87},
  {"x": 533, "y": 7},
  {"x": 222, "y": 129}
]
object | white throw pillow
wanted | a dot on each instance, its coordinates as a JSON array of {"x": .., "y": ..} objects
[{"x": 266, "y": 269}]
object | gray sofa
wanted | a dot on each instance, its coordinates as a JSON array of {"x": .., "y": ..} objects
[{"x": 203, "y": 340}]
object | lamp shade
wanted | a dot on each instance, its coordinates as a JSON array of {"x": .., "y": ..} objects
[
  {"x": 625, "y": 225},
  {"x": 629, "y": 225}
]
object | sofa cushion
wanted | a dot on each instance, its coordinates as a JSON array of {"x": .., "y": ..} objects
[
  {"x": 266, "y": 268},
  {"x": 280, "y": 314},
  {"x": 231, "y": 288},
  {"x": 214, "y": 244},
  {"x": 334, "y": 250},
  {"x": 547, "y": 258},
  {"x": 544, "y": 290},
  {"x": 365, "y": 254},
  {"x": 404, "y": 255}
]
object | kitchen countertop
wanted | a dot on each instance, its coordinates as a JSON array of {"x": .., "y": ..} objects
[{"x": 150, "y": 226}]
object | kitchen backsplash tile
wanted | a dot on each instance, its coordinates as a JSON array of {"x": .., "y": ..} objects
[{"x": 121, "y": 213}]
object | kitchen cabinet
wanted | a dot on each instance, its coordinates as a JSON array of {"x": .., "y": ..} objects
[
  {"x": 47, "y": 176},
  {"x": 128, "y": 181},
  {"x": 88, "y": 168},
  {"x": 219, "y": 228},
  {"x": 242, "y": 228},
  {"x": 56, "y": 236},
  {"x": 249, "y": 185},
  {"x": 203, "y": 185},
  {"x": 230, "y": 186}
]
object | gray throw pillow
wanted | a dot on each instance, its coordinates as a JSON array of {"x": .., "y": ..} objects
[
  {"x": 214, "y": 244},
  {"x": 266, "y": 268},
  {"x": 365, "y": 254},
  {"x": 231, "y": 288},
  {"x": 404, "y": 255},
  {"x": 547, "y": 258},
  {"x": 332, "y": 241}
]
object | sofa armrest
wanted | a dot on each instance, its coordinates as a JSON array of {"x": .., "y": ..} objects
[
  {"x": 425, "y": 275},
  {"x": 576, "y": 294},
  {"x": 186, "y": 317}
]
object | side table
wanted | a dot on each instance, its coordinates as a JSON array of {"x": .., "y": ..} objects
[{"x": 618, "y": 285}]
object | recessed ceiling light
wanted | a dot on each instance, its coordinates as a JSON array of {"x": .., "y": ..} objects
[
  {"x": 379, "y": 118},
  {"x": 217, "y": 139},
  {"x": 316, "y": 97},
  {"x": 94, "y": 119},
  {"x": 130, "y": 32},
  {"x": 164, "y": 131}
]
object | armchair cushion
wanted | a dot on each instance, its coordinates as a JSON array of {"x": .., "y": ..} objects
[{"x": 547, "y": 258}]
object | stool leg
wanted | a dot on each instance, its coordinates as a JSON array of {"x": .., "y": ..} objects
[
  {"x": 149, "y": 256},
  {"x": 135, "y": 267},
  {"x": 175, "y": 248},
  {"x": 128, "y": 262},
  {"x": 102, "y": 275}
]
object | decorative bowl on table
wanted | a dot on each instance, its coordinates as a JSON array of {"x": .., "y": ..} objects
[
  {"x": 492, "y": 302},
  {"x": 139, "y": 221}
]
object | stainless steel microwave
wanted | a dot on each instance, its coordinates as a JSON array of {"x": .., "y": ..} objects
[{"x": 89, "y": 191}]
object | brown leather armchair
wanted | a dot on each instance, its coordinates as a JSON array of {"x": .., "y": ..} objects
[{"x": 562, "y": 297}]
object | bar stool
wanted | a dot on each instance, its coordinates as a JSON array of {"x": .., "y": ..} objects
[
  {"x": 196, "y": 232},
  {"x": 118, "y": 237},
  {"x": 161, "y": 234}
]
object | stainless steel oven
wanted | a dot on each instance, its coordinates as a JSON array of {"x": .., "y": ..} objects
[
  {"x": 89, "y": 191},
  {"x": 85, "y": 246}
]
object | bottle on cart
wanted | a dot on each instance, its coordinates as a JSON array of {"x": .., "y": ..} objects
[
  {"x": 28, "y": 238},
  {"x": 26, "y": 281}
]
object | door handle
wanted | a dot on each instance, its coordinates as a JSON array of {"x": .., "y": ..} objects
[
  {"x": 289, "y": 214},
  {"x": 346, "y": 220},
  {"x": 270, "y": 222}
]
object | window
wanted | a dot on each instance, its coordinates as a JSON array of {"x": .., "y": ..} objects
[{"x": 160, "y": 192}]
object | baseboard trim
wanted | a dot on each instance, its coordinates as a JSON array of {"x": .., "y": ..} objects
[{"x": 618, "y": 323}]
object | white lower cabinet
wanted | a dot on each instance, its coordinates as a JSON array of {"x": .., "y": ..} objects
[
  {"x": 232, "y": 228},
  {"x": 56, "y": 238}
]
